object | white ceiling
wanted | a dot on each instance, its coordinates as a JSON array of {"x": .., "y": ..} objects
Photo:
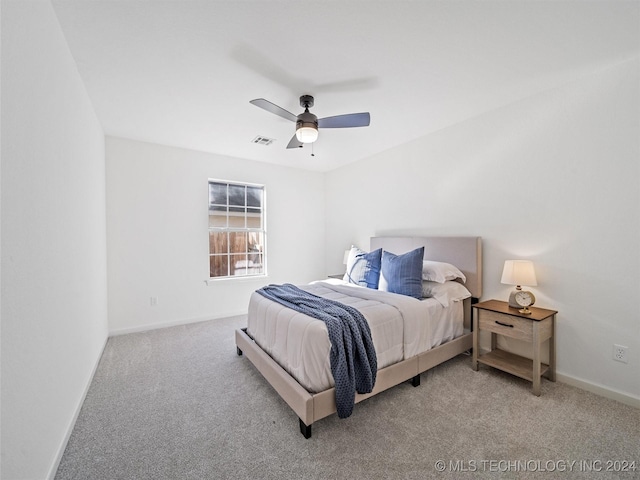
[{"x": 182, "y": 72}]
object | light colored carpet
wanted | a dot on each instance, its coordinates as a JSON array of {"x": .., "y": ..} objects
[{"x": 178, "y": 403}]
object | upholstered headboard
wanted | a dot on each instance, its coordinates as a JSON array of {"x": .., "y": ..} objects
[{"x": 463, "y": 252}]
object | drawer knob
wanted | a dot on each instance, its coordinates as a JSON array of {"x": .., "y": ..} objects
[{"x": 504, "y": 324}]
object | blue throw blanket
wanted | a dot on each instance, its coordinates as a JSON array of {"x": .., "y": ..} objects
[{"x": 354, "y": 364}]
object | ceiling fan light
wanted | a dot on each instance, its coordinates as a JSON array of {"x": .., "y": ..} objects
[{"x": 307, "y": 133}]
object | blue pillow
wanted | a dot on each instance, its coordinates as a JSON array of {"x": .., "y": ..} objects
[
  {"x": 402, "y": 273},
  {"x": 363, "y": 268}
]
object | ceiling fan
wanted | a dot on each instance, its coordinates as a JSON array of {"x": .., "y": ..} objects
[{"x": 307, "y": 123}]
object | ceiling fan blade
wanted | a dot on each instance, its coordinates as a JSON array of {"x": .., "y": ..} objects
[
  {"x": 294, "y": 142},
  {"x": 345, "y": 121},
  {"x": 273, "y": 108}
]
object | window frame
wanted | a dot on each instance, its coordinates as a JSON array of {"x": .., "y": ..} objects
[{"x": 229, "y": 230}]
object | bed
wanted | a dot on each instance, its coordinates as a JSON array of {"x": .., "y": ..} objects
[{"x": 410, "y": 336}]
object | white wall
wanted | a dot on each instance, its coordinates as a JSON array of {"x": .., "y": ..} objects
[
  {"x": 553, "y": 178},
  {"x": 54, "y": 286},
  {"x": 157, "y": 220}
]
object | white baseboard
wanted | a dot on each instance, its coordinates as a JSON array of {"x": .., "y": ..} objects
[
  {"x": 172, "y": 323},
  {"x": 601, "y": 390},
  {"x": 72, "y": 423}
]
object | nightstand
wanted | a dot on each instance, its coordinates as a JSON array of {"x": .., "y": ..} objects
[{"x": 498, "y": 318}]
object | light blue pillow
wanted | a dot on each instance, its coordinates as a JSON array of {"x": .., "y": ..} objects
[
  {"x": 402, "y": 273},
  {"x": 363, "y": 268}
]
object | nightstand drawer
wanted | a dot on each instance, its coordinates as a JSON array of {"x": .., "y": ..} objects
[{"x": 514, "y": 327}]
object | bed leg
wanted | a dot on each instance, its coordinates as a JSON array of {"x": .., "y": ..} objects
[
  {"x": 238, "y": 351},
  {"x": 305, "y": 429},
  {"x": 415, "y": 381}
]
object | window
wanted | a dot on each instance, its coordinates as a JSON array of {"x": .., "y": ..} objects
[{"x": 237, "y": 231}]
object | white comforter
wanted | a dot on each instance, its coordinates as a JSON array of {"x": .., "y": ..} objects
[{"x": 401, "y": 327}]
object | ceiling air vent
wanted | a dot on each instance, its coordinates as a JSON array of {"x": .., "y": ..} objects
[{"x": 260, "y": 140}]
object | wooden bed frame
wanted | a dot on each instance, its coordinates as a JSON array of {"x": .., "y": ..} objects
[{"x": 464, "y": 252}]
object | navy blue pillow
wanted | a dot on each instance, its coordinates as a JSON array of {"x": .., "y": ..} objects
[
  {"x": 402, "y": 273},
  {"x": 363, "y": 268}
]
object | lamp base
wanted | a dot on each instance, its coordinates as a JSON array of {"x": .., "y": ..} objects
[{"x": 512, "y": 298}]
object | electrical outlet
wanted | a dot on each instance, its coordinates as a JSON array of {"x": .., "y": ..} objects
[
  {"x": 153, "y": 301},
  {"x": 620, "y": 353}
]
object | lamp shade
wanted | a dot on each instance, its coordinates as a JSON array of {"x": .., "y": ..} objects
[{"x": 519, "y": 272}]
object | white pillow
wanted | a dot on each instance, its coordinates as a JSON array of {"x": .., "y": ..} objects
[
  {"x": 440, "y": 272},
  {"x": 446, "y": 292}
]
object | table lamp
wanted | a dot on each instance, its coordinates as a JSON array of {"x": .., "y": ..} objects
[{"x": 519, "y": 273}]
